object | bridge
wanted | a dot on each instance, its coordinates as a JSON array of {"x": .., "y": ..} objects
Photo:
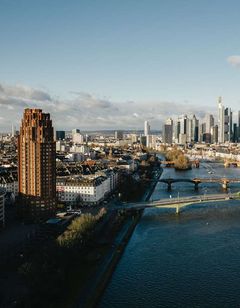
[
  {"x": 196, "y": 181},
  {"x": 177, "y": 203}
]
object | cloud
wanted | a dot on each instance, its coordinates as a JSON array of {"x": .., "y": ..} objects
[
  {"x": 24, "y": 92},
  {"x": 234, "y": 60},
  {"x": 88, "y": 112},
  {"x": 89, "y": 101}
]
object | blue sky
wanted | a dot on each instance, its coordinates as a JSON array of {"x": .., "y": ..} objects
[{"x": 152, "y": 53}]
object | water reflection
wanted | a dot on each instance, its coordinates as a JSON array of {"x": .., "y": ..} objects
[{"x": 190, "y": 260}]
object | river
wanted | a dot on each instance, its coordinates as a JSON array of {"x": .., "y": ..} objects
[{"x": 189, "y": 260}]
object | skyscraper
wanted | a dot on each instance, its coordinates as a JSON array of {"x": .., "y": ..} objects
[
  {"x": 185, "y": 129},
  {"x": 227, "y": 124},
  {"x": 214, "y": 133},
  {"x": 235, "y": 133},
  {"x": 36, "y": 165},
  {"x": 146, "y": 128},
  {"x": 195, "y": 128},
  {"x": 176, "y": 131},
  {"x": 168, "y": 131},
  {"x": 209, "y": 120},
  {"x": 220, "y": 121},
  {"x": 202, "y": 131},
  {"x": 13, "y": 131}
]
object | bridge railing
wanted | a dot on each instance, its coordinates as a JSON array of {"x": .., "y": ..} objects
[{"x": 193, "y": 198}]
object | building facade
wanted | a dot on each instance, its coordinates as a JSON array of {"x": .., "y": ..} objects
[
  {"x": 168, "y": 131},
  {"x": 221, "y": 121},
  {"x": 118, "y": 134},
  {"x": 36, "y": 165},
  {"x": 60, "y": 135},
  {"x": 146, "y": 128},
  {"x": 9, "y": 182},
  {"x": 89, "y": 190}
]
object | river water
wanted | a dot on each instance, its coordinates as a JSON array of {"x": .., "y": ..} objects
[{"x": 190, "y": 260}]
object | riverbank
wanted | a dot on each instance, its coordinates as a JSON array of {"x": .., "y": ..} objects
[{"x": 96, "y": 287}]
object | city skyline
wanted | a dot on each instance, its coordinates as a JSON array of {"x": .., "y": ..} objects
[
  {"x": 133, "y": 61},
  {"x": 64, "y": 115},
  {"x": 119, "y": 153}
]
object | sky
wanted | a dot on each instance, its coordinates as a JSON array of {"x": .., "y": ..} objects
[{"x": 110, "y": 64}]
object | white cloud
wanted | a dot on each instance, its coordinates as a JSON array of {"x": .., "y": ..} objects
[
  {"x": 234, "y": 60},
  {"x": 24, "y": 92},
  {"x": 86, "y": 111}
]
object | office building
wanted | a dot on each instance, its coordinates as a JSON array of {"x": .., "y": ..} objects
[
  {"x": 176, "y": 131},
  {"x": 146, "y": 128},
  {"x": 207, "y": 138},
  {"x": 214, "y": 134},
  {"x": 189, "y": 130},
  {"x": 134, "y": 138},
  {"x": 185, "y": 128},
  {"x": 118, "y": 134},
  {"x": 75, "y": 131},
  {"x": 221, "y": 121},
  {"x": 77, "y": 138},
  {"x": 195, "y": 128},
  {"x": 60, "y": 135},
  {"x": 168, "y": 131},
  {"x": 183, "y": 124},
  {"x": 151, "y": 141},
  {"x": 201, "y": 131},
  {"x": 36, "y": 165},
  {"x": 13, "y": 133},
  {"x": 227, "y": 124},
  {"x": 235, "y": 133},
  {"x": 143, "y": 140},
  {"x": 182, "y": 138},
  {"x": 209, "y": 120}
]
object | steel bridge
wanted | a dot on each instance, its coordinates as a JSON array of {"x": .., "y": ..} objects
[
  {"x": 177, "y": 203},
  {"x": 196, "y": 181}
]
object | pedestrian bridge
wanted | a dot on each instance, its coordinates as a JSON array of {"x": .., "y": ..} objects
[
  {"x": 196, "y": 181},
  {"x": 178, "y": 203}
]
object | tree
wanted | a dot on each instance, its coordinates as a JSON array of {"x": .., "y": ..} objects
[{"x": 182, "y": 162}]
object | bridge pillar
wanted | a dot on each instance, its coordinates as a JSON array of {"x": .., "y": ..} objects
[
  {"x": 169, "y": 186},
  {"x": 195, "y": 186},
  {"x": 177, "y": 209}
]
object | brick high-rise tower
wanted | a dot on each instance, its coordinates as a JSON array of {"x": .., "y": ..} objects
[{"x": 36, "y": 165}]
